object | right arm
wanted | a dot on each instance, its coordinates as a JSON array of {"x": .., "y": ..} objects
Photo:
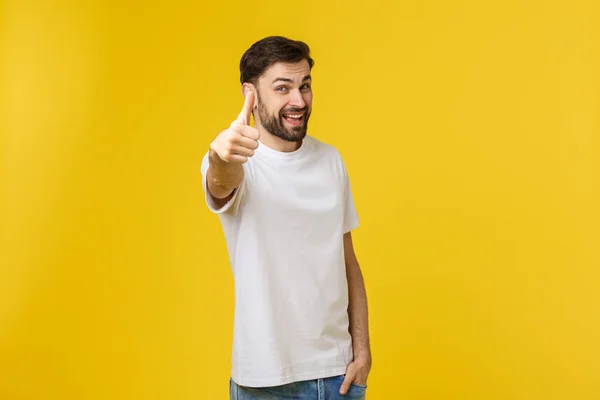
[
  {"x": 228, "y": 151},
  {"x": 222, "y": 178}
]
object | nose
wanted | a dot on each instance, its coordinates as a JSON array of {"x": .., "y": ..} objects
[{"x": 297, "y": 100}]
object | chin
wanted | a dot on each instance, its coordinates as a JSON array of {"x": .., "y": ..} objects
[
  {"x": 295, "y": 139},
  {"x": 295, "y": 136}
]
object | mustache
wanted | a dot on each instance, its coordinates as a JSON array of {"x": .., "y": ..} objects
[{"x": 294, "y": 110}]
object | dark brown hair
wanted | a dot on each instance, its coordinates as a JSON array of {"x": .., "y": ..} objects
[{"x": 268, "y": 51}]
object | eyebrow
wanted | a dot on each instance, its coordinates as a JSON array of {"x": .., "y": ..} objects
[{"x": 306, "y": 78}]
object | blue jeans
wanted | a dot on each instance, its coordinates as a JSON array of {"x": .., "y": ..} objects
[{"x": 316, "y": 389}]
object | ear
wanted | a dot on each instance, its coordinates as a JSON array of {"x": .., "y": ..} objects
[
  {"x": 246, "y": 87},
  {"x": 249, "y": 87}
]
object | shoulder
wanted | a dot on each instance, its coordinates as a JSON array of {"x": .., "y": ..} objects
[
  {"x": 328, "y": 156},
  {"x": 322, "y": 149}
]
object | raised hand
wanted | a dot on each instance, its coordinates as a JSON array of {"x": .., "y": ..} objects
[{"x": 237, "y": 143}]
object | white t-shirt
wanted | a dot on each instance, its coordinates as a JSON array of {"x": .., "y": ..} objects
[{"x": 284, "y": 233}]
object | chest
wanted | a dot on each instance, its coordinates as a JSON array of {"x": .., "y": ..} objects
[{"x": 311, "y": 191}]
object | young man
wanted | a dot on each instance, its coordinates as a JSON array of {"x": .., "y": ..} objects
[{"x": 287, "y": 212}]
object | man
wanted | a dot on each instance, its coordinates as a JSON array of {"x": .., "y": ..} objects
[{"x": 287, "y": 212}]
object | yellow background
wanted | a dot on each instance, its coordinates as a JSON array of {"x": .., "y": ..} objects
[{"x": 471, "y": 133}]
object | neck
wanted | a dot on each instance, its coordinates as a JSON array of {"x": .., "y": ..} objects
[{"x": 276, "y": 143}]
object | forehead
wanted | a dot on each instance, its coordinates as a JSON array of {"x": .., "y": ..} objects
[{"x": 295, "y": 71}]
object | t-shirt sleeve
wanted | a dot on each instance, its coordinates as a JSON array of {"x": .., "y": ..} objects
[
  {"x": 232, "y": 205},
  {"x": 351, "y": 220}
]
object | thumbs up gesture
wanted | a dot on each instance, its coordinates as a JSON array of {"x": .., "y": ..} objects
[{"x": 238, "y": 142}]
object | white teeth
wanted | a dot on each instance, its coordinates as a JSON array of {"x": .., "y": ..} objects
[{"x": 293, "y": 115}]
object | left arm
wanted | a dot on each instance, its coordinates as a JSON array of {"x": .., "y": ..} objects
[{"x": 358, "y": 370}]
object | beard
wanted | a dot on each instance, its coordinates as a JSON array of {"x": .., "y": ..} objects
[{"x": 274, "y": 124}]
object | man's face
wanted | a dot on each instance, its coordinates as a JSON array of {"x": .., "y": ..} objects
[{"x": 285, "y": 100}]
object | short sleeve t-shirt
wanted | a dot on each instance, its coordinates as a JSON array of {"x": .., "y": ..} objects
[{"x": 284, "y": 230}]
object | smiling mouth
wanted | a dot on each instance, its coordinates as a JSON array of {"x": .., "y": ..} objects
[{"x": 294, "y": 119}]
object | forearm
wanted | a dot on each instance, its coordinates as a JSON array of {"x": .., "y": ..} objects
[
  {"x": 223, "y": 177},
  {"x": 358, "y": 313}
]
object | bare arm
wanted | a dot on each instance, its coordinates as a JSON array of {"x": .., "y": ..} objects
[
  {"x": 230, "y": 149},
  {"x": 222, "y": 178},
  {"x": 360, "y": 367},
  {"x": 358, "y": 308}
]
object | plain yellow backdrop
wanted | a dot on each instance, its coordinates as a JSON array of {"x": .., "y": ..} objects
[{"x": 470, "y": 130}]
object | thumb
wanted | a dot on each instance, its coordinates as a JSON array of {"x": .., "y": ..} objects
[
  {"x": 246, "y": 113},
  {"x": 348, "y": 378}
]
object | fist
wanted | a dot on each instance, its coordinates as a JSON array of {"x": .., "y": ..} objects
[{"x": 238, "y": 142}]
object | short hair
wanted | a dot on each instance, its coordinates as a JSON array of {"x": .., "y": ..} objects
[{"x": 268, "y": 51}]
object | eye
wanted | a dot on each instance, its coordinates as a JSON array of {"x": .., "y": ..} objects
[
  {"x": 305, "y": 87},
  {"x": 281, "y": 89}
]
